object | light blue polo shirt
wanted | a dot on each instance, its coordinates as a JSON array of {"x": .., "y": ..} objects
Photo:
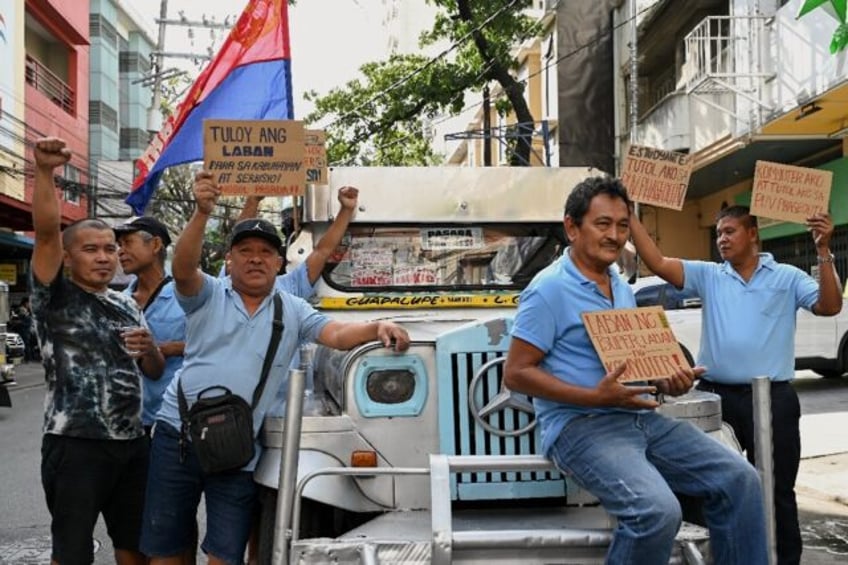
[
  {"x": 548, "y": 318},
  {"x": 166, "y": 320},
  {"x": 226, "y": 346},
  {"x": 748, "y": 329},
  {"x": 297, "y": 283}
]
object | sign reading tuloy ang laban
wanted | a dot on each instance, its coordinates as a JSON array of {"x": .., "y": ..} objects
[{"x": 255, "y": 157}]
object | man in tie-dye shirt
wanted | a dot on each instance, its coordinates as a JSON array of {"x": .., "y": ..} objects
[{"x": 94, "y": 345}]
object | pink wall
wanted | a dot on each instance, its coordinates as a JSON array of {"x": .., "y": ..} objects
[{"x": 68, "y": 21}]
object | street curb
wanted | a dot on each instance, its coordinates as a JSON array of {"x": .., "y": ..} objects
[{"x": 817, "y": 494}]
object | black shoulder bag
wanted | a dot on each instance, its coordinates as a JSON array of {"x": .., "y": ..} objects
[{"x": 221, "y": 427}]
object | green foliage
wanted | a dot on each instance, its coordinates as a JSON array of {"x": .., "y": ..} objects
[
  {"x": 382, "y": 117},
  {"x": 840, "y": 9}
]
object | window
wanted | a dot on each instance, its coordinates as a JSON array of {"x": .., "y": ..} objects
[
  {"x": 100, "y": 27},
  {"x": 71, "y": 187},
  {"x": 133, "y": 62},
  {"x": 103, "y": 114},
  {"x": 448, "y": 257}
]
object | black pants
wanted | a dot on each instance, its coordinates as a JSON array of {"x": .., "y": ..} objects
[{"x": 737, "y": 410}]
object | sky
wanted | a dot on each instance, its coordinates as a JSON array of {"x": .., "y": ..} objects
[{"x": 330, "y": 39}]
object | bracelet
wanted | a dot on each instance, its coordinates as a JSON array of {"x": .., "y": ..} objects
[{"x": 827, "y": 259}]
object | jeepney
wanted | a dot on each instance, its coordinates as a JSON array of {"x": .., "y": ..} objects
[{"x": 424, "y": 456}]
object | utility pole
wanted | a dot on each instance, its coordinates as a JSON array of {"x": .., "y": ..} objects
[
  {"x": 634, "y": 101},
  {"x": 487, "y": 128},
  {"x": 634, "y": 74},
  {"x": 154, "y": 118},
  {"x": 159, "y": 73}
]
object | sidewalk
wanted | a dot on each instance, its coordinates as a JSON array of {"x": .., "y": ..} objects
[{"x": 824, "y": 478}]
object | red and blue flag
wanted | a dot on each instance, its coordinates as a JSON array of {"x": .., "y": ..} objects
[{"x": 249, "y": 79}]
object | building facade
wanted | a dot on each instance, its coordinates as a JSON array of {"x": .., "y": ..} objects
[
  {"x": 120, "y": 102},
  {"x": 480, "y": 136},
  {"x": 732, "y": 82},
  {"x": 43, "y": 92}
]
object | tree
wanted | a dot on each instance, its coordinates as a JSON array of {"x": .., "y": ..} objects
[{"x": 380, "y": 119}]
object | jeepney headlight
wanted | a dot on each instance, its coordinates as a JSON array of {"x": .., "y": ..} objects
[{"x": 390, "y": 385}]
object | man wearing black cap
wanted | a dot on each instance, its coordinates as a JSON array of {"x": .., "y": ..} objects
[
  {"x": 143, "y": 250},
  {"x": 228, "y": 328}
]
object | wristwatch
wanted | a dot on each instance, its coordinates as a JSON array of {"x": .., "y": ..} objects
[{"x": 827, "y": 259}]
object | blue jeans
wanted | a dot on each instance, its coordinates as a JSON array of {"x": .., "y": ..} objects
[
  {"x": 173, "y": 493},
  {"x": 633, "y": 463}
]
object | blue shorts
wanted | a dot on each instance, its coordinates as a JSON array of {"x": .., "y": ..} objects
[{"x": 173, "y": 493}]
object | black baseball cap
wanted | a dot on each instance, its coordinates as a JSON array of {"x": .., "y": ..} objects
[
  {"x": 145, "y": 223},
  {"x": 256, "y": 227}
]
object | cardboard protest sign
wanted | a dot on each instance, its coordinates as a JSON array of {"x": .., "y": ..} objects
[
  {"x": 315, "y": 159},
  {"x": 789, "y": 193},
  {"x": 263, "y": 157},
  {"x": 641, "y": 337},
  {"x": 657, "y": 177}
]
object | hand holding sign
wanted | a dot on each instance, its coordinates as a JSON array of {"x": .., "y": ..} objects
[
  {"x": 206, "y": 192},
  {"x": 612, "y": 393},
  {"x": 821, "y": 227},
  {"x": 680, "y": 382}
]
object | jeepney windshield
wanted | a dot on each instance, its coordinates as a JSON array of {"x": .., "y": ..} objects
[{"x": 450, "y": 257}]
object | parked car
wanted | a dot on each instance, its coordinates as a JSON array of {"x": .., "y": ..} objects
[
  {"x": 653, "y": 291},
  {"x": 821, "y": 343},
  {"x": 15, "y": 348},
  {"x": 683, "y": 311}
]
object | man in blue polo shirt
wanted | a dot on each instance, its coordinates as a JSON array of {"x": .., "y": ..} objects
[
  {"x": 748, "y": 330},
  {"x": 143, "y": 250},
  {"x": 607, "y": 435},
  {"x": 228, "y": 327}
]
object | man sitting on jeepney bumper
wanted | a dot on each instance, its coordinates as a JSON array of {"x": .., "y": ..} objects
[{"x": 607, "y": 435}]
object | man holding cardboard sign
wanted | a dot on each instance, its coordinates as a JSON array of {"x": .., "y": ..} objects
[
  {"x": 606, "y": 434},
  {"x": 748, "y": 329}
]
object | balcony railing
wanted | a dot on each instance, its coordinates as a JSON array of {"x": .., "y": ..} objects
[
  {"x": 724, "y": 48},
  {"x": 54, "y": 88}
]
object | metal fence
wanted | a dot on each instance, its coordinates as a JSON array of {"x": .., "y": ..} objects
[{"x": 799, "y": 250}]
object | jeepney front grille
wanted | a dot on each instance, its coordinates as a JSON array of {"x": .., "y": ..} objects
[{"x": 471, "y": 439}]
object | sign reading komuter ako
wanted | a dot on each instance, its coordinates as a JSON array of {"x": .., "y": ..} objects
[
  {"x": 255, "y": 157},
  {"x": 639, "y": 337},
  {"x": 789, "y": 193}
]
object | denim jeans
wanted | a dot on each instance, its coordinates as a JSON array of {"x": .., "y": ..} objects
[
  {"x": 173, "y": 493},
  {"x": 634, "y": 462}
]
